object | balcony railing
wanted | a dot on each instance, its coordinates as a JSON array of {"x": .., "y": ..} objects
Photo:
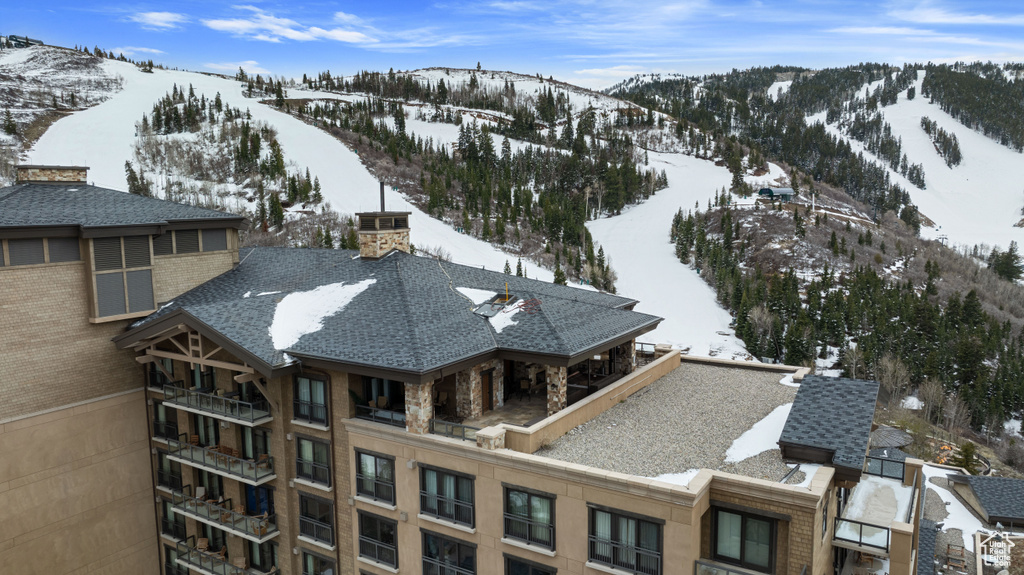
[
  {"x": 172, "y": 528},
  {"x": 169, "y": 479},
  {"x": 210, "y": 563},
  {"x": 257, "y": 528},
  {"x": 165, "y": 429},
  {"x": 446, "y": 508},
  {"x": 884, "y": 467},
  {"x": 376, "y": 489},
  {"x": 644, "y": 353},
  {"x": 174, "y": 569},
  {"x": 431, "y": 565},
  {"x": 535, "y": 532},
  {"x": 159, "y": 381},
  {"x": 244, "y": 412},
  {"x": 456, "y": 430},
  {"x": 702, "y": 567},
  {"x": 377, "y": 551},
  {"x": 315, "y": 472},
  {"x": 309, "y": 411},
  {"x": 316, "y": 530},
  {"x": 623, "y": 556},
  {"x": 862, "y": 534},
  {"x": 396, "y": 418},
  {"x": 251, "y": 471}
]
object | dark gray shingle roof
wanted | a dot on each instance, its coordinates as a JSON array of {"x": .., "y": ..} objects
[
  {"x": 90, "y": 206},
  {"x": 411, "y": 318},
  {"x": 926, "y": 548},
  {"x": 1002, "y": 497},
  {"x": 891, "y": 453},
  {"x": 833, "y": 414}
]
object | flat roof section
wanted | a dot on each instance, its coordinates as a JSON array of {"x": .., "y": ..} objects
[{"x": 699, "y": 416}]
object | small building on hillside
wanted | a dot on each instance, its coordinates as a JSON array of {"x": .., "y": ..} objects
[
  {"x": 783, "y": 194},
  {"x": 997, "y": 499}
]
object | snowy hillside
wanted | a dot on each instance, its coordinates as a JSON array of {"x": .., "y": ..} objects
[
  {"x": 102, "y": 138},
  {"x": 976, "y": 202}
]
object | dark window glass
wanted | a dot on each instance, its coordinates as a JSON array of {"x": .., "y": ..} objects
[
  {"x": 136, "y": 252},
  {"x": 26, "y": 252},
  {"x": 530, "y": 517},
  {"x": 171, "y": 524},
  {"x": 107, "y": 254},
  {"x": 165, "y": 421},
  {"x": 217, "y": 537},
  {"x": 443, "y": 556},
  {"x": 262, "y": 556},
  {"x": 743, "y": 539},
  {"x": 313, "y": 461},
  {"x": 316, "y": 519},
  {"x": 316, "y": 565},
  {"x": 310, "y": 402},
  {"x": 515, "y": 566},
  {"x": 110, "y": 294},
  {"x": 64, "y": 250},
  {"x": 163, "y": 245},
  {"x": 186, "y": 241},
  {"x": 140, "y": 290},
  {"x": 625, "y": 542},
  {"x": 375, "y": 477},
  {"x": 168, "y": 473},
  {"x": 215, "y": 240},
  {"x": 378, "y": 540},
  {"x": 446, "y": 495}
]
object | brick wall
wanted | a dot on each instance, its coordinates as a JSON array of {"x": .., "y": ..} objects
[{"x": 175, "y": 275}]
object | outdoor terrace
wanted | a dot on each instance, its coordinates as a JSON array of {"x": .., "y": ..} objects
[
  {"x": 219, "y": 404},
  {"x": 223, "y": 515},
  {"x": 698, "y": 416},
  {"x": 218, "y": 460}
]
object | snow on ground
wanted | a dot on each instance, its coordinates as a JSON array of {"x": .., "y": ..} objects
[
  {"x": 911, "y": 402},
  {"x": 683, "y": 478},
  {"x": 1012, "y": 427},
  {"x": 763, "y": 436},
  {"x": 637, "y": 245},
  {"x": 959, "y": 516},
  {"x": 773, "y": 90},
  {"x": 102, "y": 138},
  {"x": 303, "y": 312}
]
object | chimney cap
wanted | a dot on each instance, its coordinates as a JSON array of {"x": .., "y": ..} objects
[
  {"x": 381, "y": 214},
  {"x": 49, "y": 167}
]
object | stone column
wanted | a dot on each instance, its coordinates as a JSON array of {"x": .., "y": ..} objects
[
  {"x": 498, "y": 383},
  {"x": 468, "y": 393},
  {"x": 557, "y": 385},
  {"x": 419, "y": 407}
]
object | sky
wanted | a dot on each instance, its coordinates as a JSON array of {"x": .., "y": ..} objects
[{"x": 594, "y": 43}]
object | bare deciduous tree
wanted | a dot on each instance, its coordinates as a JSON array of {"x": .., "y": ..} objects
[
  {"x": 853, "y": 359},
  {"x": 931, "y": 393},
  {"x": 956, "y": 413},
  {"x": 894, "y": 376}
]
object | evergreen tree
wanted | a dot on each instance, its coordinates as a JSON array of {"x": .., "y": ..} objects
[
  {"x": 559, "y": 274},
  {"x": 10, "y": 127},
  {"x": 519, "y": 267},
  {"x": 508, "y": 268}
]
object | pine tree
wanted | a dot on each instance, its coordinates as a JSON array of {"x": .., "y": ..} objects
[
  {"x": 10, "y": 127},
  {"x": 519, "y": 267},
  {"x": 508, "y": 268},
  {"x": 559, "y": 274}
]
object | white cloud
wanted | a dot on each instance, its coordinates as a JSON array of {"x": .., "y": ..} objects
[
  {"x": 929, "y": 13},
  {"x": 261, "y": 25},
  {"x": 613, "y": 71},
  {"x": 159, "y": 20},
  {"x": 883, "y": 30},
  {"x": 250, "y": 67},
  {"x": 135, "y": 50}
]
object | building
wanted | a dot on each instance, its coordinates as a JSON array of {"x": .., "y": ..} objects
[
  {"x": 77, "y": 264},
  {"x": 331, "y": 411},
  {"x": 995, "y": 499},
  {"x": 782, "y": 194}
]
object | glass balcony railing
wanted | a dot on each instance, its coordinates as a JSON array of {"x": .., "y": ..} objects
[
  {"x": 203, "y": 561},
  {"x": 221, "y": 406},
  {"x": 224, "y": 515},
  {"x": 252, "y": 471}
]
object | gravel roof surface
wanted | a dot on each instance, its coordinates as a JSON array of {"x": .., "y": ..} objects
[{"x": 686, "y": 420}]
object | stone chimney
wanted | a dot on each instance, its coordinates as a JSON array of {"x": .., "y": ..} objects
[
  {"x": 30, "y": 174},
  {"x": 383, "y": 231}
]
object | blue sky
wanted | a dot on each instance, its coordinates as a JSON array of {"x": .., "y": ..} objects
[{"x": 591, "y": 42}]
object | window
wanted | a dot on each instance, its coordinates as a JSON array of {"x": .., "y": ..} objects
[
  {"x": 255, "y": 442},
  {"x": 444, "y": 556},
  {"x": 378, "y": 539},
  {"x": 262, "y": 556},
  {"x": 63, "y": 250},
  {"x": 165, "y": 421},
  {"x": 123, "y": 274},
  {"x": 216, "y": 536},
  {"x": 203, "y": 378},
  {"x": 259, "y": 500},
  {"x": 375, "y": 477},
  {"x": 313, "y": 462},
  {"x": 215, "y": 240},
  {"x": 529, "y": 517},
  {"x": 824, "y": 515},
  {"x": 310, "y": 403},
  {"x": 207, "y": 428},
  {"x": 168, "y": 473},
  {"x": 211, "y": 482},
  {"x": 156, "y": 378},
  {"x": 515, "y": 566},
  {"x": 171, "y": 524},
  {"x": 316, "y": 565},
  {"x": 186, "y": 241},
  {"x": 26, "y": 252},
  {"x": 446, "y": 495},
  {"x": 163, "y": 244},
  {"x": 743, "y": 539},
  {"x": 316, "y": 519},
  {"x": 171, "y": 566},
  {"x": 625, "y": 541},
  {"x": 392, "y": 392}
]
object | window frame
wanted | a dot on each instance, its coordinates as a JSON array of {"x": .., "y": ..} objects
[
  {"x": 448, "y": 568},
  {"x": 123, "y": 271},
  {"x": 173, "y": 472},
  {"x": 507, "y": 517},
  {"x": 455, "y": 503},
  {"x": 377, "y": 458},
  {"x": 304, "y": 500},
  {"x": 313, "y": 464},
  {"x": 270, "y": 555},
  {"x": 327, "y": 563},
  {"x": 171, "y": 521},
  {"x": 744, "y": 516},
  {"x": 615, "y": 540},
  {"x": 311, "y": 407},
  {"x": 532, "y": 565},
  {"x": 366, "y": 516}
]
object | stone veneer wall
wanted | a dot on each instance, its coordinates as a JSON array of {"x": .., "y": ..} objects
[
  {"x": 62, "y": 174},
  {"x": 469, "y": 401},
  {"x": 419, "y": 406},
  {"x": 557, "y": 383},
  {"x": 376, "y": 243}
]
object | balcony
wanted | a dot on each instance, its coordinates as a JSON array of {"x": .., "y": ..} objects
[
  {"x": 878, "y": 500},
  {"x": 628, "y": 558},
  {"x": 380, "y": 415},
  {"x": 258, "y": 528},
  {"x": 165, "y": 430},
  {"x": 169, "y": 479},
  {"x": 316, "y": 530},
  {"x": 454, "y": 430},
  {"x": 211, "y": 563},
  {"x": 209, "y": 402},
  {"x": 215, "y": 459},
  {"x": 171, "y": 528}
]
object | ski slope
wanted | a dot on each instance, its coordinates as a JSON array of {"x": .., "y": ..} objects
[{"x": 636, "y": 242}]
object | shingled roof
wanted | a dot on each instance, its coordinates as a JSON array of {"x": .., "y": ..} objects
[
  {"x": 93, "y": 211},
  {"x": 1001, "y": 497},
  {"x": 830, "y": 422},
  {"x": 406, "y": 313}
]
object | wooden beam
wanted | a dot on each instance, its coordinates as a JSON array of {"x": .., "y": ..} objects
[
  {"x": 178, "y": 345},
  {"x": 169, "y": 333},
  {"x": 245, "y": 377},
  {"x": 144, "y": 359},
  {"x": 201, "y": 361},
  {"x": 215, "y": 350},
  {"x": 263, "y": 390}
]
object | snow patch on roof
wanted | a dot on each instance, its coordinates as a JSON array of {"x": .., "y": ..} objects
[
  {"x": 504, "y": 319},
  {"x": 683, "y": 478},
  {"x": 959, "y": 516},
  {"x": 788, "y": 381},
  {"x": 478, "y": 296},
  {"x": 763, "y": 436},
  {"x": 269, "y": 293},
  {"x": 808, "y": 469},
  {"x": 303, "y": 312}
]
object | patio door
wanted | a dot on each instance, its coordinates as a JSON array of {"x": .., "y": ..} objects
[
  {"x": 487, "y": 384},
  {"x": 259, "y": 500}
]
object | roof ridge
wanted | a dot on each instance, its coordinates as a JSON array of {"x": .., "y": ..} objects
[
  {"x": 415, "y": 329},
  {"x": 551, "y": 324}
]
